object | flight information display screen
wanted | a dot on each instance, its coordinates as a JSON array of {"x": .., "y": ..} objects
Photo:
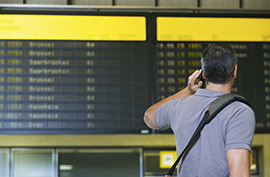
[
  {"x": 87, "y": 74},
  {"x": 177, "y": 60},
  {"x": 180, "y": 44},
  {"x": 96, "y": 81}
]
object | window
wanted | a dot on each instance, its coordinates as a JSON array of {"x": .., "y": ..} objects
[{"x": 32, "y": 163}]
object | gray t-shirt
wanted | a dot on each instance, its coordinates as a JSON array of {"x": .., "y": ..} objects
[{"x": 232, "y": 128}]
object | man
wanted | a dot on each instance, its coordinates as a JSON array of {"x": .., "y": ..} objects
[{"x": 224, "y": 146}]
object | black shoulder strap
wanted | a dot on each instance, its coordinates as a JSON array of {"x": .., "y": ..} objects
[
  {"x": 214, "y": 108},
  {"x": 221, "y": 102}
]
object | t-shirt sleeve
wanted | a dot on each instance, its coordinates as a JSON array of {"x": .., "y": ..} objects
[
  {"x": 240, "y": 130},
  {"x": 164, "y": 114}
]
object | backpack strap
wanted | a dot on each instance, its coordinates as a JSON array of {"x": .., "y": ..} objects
[
  {"x": 214, "y": 108},
  {"x": 221, "y": 102}
]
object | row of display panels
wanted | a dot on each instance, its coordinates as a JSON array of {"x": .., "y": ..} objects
[{"x": 98, "y": 73}]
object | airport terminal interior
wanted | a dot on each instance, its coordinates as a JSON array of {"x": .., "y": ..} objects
[{"x": 76, "y": 77}]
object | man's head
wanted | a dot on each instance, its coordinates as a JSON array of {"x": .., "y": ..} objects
[{"x": 218, "y": 63}]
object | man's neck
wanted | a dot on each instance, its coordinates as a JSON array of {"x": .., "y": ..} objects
[{"x": 219, "y": 87}]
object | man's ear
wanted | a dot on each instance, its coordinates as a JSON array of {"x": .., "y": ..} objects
[
  {"x": 235, "y": 71},
  {"x": 203, "y": 75}
]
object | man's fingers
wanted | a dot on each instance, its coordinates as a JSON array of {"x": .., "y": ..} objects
[
  {"x": 192, "y": 86},
  {"x": 200, "y": 84},
  {"x": 192, "y": 78}
]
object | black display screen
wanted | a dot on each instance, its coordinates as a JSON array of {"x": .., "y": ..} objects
[
  {"x": 175, "y": 61},
  {"x": 62, "y": 86},
  {"x": 53, "y": 86}
]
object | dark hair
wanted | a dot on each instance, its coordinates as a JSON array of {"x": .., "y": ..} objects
[{"x": 218, "y": 63}]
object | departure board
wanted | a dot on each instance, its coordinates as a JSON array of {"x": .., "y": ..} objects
[
  {"x": 73, "y": 86},
  {"x": 175, "y": 60},
  {"x": 89, "y": 74},
  {"x": 73, "y": 74}
]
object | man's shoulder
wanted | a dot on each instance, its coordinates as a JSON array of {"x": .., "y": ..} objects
[
  {"x": 241, "y": 106},
  {"x": 238, "y": 111}
]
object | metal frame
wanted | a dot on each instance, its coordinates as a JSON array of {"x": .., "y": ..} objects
[
  {"x": 141, "y": 165},
  {"x": 69, "y": 2},
  {"x": 78, "y": 8},
  {"x": 55, "y": 162}
]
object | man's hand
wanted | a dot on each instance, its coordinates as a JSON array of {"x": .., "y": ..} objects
[
  {"x": 192, "y": 85},
  {"x": 189, "y": 90}
]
